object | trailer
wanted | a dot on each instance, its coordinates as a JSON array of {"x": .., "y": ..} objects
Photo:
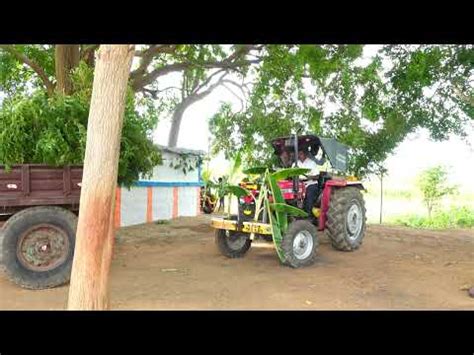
[{"x": 39, "y": 205}]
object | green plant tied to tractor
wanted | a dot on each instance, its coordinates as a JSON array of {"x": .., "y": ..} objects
[{"x": 292, "y": 203}]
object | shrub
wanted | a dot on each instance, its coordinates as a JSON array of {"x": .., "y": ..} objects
[{"x": 455, "y": 217}]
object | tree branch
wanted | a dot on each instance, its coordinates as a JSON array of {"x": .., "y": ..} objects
[
  {"x": 241, "y": 87},
  {"x": 33, "y": 65},
  {"x": 208, "y": 80},
  {"x": 139, "y": 82},
  {"x": 88, "y": 50},
  {"x": 242, "y": 105},
  {"x": 169, "y": 49},
  {"x": 463, "y": 97},
  {"x": 140, "y": 78}
]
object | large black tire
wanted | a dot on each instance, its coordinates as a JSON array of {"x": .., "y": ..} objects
[
  {"x": 38, "y": 247},
  {"x": 300, "y": 244},
  {"x": 232, "y": 244},
  {"x": 346, "y": 203}
]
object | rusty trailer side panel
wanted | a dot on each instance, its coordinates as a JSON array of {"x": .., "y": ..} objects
[{"x": 29, "y": 185}]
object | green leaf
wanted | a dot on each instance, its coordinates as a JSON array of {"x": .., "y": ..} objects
[
  {"x": 291, "y": 210},
  {"x": 236, "y": 165},
  {"x": 256, "y": 170},
  {"x": 236, "y": 190},
  {"x": 290, "y": 172},
  {"x": 281, "y": 217},
  {"x": 276, "y": 231}
]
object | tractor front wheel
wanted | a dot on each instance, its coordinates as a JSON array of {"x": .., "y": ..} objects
[
  {"x": 300, "y": 244},
  {"x": 232, "y": 244},
  {"x": 346, "y": 218}
]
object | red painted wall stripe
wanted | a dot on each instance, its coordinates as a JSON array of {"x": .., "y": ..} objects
[
  {"x": 149, "y": 206},
  {"x": 175, "y": 202},
  {"x": 118, "y": 203},
  {"x": 198, "y": 209}
]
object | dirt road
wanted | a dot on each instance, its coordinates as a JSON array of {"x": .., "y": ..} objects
[{"x": 177, "y": 266}]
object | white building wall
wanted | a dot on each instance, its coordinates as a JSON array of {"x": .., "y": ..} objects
[
  {"x": 162, "y": 203},
  {"x": 187, "y": 201},
  {"x": 165, "y": 173},
  {"x": 168, "y": 193},
  {"x": 133, "y": 206}
]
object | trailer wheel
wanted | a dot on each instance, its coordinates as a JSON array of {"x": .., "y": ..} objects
[
  {"x": 346, "y": 219},
  {"x": 38, "y": 247},
  {"x": 300, "y": 244},
  {"x": 232, "y": 244}
]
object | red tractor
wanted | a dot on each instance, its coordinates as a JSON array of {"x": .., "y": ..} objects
[{"x": 338, "y": 207}]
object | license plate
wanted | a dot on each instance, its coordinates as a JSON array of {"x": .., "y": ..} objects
[
  {"x": 246, "y": 228},
  {"x": 255, "y": 228}
]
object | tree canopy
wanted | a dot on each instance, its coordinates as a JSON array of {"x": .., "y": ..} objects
[
  {"x": 370, "y": 104},
  {"x": 48, "y": 87},
  {"x": 36, "y": 128}
]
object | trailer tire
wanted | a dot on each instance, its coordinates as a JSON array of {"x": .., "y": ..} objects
[
  {"x": 232, "y": 244},
  {"x": 346, "y": 218},
  {"x": 38, "y": 247}
]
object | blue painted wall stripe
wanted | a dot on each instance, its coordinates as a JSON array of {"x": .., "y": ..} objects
[
  {"x": 199, "y": 172},
  {"x": 146, "y": 183}
]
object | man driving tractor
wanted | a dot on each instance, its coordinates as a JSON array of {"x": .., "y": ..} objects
[
  {"x": 311, "y": 182},
  {"x": 286, "y": 158}
]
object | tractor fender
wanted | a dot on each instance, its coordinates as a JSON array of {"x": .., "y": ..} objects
[
  {"x": 357, "y": 184},
  {"x": 326, "y": 196}
]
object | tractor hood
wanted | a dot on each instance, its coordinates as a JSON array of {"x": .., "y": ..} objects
[{"x": 336, "y": 152}]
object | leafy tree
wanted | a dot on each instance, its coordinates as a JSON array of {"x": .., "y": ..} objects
[
  {"x": 26, "y": 69},
  {"x": 433, "y": 185},
  {"x": 40, "y": 129},
  {"x": 327, "y": 90},
  {"x": 199, "y": 80}
]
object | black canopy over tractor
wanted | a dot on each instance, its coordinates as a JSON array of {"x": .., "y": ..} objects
[{"x": 336, "y": 152}]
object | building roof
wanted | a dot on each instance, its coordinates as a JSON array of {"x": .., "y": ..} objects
[{"x": 181, "y": 150}]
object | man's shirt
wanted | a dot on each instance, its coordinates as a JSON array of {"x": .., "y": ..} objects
[{"x": 309, "y": 164}]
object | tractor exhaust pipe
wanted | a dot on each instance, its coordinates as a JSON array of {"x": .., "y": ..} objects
[{"x": 296, "y": 179}]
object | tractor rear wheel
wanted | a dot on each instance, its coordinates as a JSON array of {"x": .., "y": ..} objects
[
  {"x": 300, "y": 244},
  {"x": 232, "y": 244},
  {"x": 346, "y": 218}
]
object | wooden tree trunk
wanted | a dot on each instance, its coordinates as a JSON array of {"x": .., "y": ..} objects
[
  {"x": 95, "y": 231},
  {"x": 178, "y": 114},
  {"x": 176, "y": 124},
  {"x": 66, "y": 59}
]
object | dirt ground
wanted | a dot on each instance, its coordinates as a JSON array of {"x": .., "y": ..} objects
[{"x": 177, "y": 266}]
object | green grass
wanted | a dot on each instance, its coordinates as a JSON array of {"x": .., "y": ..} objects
[
  {"x": 391, "y": 193},
  {"x": 455, "y": 217}
]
